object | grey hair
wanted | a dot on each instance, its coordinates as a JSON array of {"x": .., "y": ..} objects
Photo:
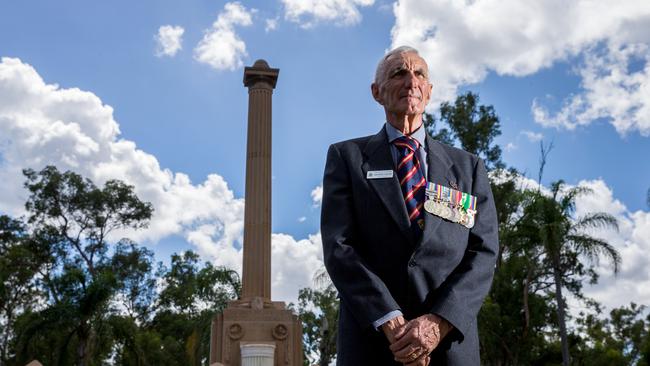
[{"x": 396, "y": 51}]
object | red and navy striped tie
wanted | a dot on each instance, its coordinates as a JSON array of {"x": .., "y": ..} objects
[{"x": 411, "y": 179}]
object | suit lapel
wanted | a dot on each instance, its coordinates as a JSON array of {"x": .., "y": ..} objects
[
  {"x": 439, "y": 164},
  {"x": 378, "y": 157}
]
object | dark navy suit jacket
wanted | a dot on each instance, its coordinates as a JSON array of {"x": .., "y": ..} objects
[{"x": 377, "y": 264}]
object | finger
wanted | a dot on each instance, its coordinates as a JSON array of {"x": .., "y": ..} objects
[
  {"x": 399, "y": 332},
  {"x": 405, "y": 340},
  {"x": 423, "y": 360},
  {"x": 404, "y": 354}
]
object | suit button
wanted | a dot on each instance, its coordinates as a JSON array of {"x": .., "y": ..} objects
[{"x": 412, "y": 263}]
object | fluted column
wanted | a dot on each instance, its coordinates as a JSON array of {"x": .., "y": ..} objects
[{"x": 260, "y": 80}]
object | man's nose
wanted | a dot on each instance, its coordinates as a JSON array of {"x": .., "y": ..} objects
[{"x": 411, "y": 79}]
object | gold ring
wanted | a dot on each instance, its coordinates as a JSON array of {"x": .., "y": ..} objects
[{"x": 412, "y": 357}]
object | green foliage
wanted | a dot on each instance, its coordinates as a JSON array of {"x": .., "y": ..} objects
[
  {"x": 71, "y": 219},
  {"x": 617, "y": 340},
  {"x": 18, "y": 289},
  {"x": 70, "y": 297},
  {"x": 472, "y": 125},
  {"x": 318, "y": 311},
  {"x": 189, "y": 288}
]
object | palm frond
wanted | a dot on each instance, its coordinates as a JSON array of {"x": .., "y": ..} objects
[
  {"x": 593, "y": 248},
  {"x": 568, "y": 200},
  {"x": 597, "y": 220}
]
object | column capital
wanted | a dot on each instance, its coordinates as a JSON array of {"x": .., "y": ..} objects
[{"x": 260, "y": 72}]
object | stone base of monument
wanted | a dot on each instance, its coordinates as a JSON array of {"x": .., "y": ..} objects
[{"x": 256, "y": 321}]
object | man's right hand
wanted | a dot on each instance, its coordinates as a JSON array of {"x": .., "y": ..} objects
[{"x": 393, "y": 328}]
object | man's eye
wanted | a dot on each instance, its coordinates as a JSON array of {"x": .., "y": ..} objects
[{"x": 399, "y": 73}]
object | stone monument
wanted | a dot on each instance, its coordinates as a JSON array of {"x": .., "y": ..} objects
[{"x": 255, "y": 330}]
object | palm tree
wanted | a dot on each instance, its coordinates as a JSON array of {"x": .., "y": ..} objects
[{"x": 548, "y": 225}]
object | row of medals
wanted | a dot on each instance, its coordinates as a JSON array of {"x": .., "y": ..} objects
[{"x": 448, "y": 210}]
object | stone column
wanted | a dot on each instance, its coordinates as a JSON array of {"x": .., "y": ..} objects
[
  {"x": 254, "y": 330},
  {"x": 260, "y": 80}
]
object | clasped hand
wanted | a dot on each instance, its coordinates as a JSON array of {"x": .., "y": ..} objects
[{"x": 412, "y": 342}]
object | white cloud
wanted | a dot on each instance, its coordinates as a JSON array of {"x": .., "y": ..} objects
[
  {"x": 293, "y": 264},
  {"x": 271, "y": 24},
  {"x": 632, "y": 241},
  {"x": 302, "y": 219},
  {"x": 533, "y": 136},
  {"x": 43, "y": 124},
  {"x": 169, "y": 40},
  {"x": 464, "y": 40},
  {"x": 609, "y": 90},
  {"x": 317, "y": 195},
  {"x": 221, "y": 47},
  {"x": 308, "y": 13}
]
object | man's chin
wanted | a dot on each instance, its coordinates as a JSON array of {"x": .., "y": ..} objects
[{"x": 409, "y": 110}]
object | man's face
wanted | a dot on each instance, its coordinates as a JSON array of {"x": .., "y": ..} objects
[{"x": 404, "y": 87}]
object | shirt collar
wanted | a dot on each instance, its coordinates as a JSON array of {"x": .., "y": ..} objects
[{"x": 393, "y": 133}]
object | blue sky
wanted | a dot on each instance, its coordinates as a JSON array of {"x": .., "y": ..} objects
[{"x": 576, "y": 74}]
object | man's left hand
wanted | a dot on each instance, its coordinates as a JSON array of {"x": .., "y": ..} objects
[{"x": 419, "y": 337}]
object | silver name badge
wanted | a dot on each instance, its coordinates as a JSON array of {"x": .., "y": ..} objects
[{"x": 379, "y": 174}]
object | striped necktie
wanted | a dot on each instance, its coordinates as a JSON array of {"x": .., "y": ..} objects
[{"x": 411, "y": 179}]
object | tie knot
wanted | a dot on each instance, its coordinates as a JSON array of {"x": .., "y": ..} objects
[{"x": 406, "y": 142}]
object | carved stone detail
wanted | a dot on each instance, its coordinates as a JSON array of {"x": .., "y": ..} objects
[
  {"x": 235, "y": 332},
  {"x": 280, "y": 332},
  {"x": 257, "y": 303}
]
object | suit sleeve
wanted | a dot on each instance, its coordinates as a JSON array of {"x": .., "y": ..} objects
[
  {"x": 363, "y": 292},
  {"x": 460, "y": 296}
]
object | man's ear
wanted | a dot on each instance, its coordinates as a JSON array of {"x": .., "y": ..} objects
[{"x": 374, "y": 88}]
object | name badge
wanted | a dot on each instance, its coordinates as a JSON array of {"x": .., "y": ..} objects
[{"x": 379, "y": 174}]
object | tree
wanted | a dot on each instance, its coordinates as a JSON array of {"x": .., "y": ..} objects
[
  {"x": 190, "y": 297},
  {"x": 18, "y": 288},
  {"x": 474, "y": 126},
  {"x": 136, "y": 290},
  {"x": 71, "y": 219},
  {"x": 548, "y": 226},
  {"x": 318, "y": 311},
  {"x": 617, "y": 340}
]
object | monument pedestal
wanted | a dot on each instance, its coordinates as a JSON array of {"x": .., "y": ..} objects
[{"x": 256, "y": 321}]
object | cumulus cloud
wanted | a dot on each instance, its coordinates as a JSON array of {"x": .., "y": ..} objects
[
  {"x": 294, "y": 263},
  {"x": 463, "y": 41},
  {"x": 221, "y": 47},
  {"x": 169, "y": 40},
  {"x": 308, "y": 13},
  {"x": 632, "y": 241},
  {"x": 42, "y": 124},
  {"x": 609, "y": 90}
]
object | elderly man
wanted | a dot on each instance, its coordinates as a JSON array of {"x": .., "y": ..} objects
[{"x": 409, "y": 233}]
